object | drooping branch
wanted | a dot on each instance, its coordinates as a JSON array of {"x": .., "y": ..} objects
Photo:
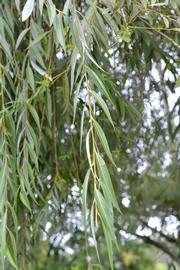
[
  {"x": 167, "y": 237},
  {"x": 158, "y": 245}
]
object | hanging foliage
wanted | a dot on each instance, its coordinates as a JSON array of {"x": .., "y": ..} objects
[{"x": 63, "y": 68}]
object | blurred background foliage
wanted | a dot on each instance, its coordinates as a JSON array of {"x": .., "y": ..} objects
[{"x": 129, "y": 51}]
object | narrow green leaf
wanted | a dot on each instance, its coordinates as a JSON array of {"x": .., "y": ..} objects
[
  {"x": 32, "y": 178},
  {"x": 3, "y": 231},
  {"x": 51, "y": 8},
  {"x": 17, "y": 2},
  {"x": 93, "y": 231},
  {"x": 84, "y": 194},
  {"x": 76, "y": 97},
  {"x": 166, "y": 21},
  {"x": 88, "y": 149},
  {"x": 14, "y": 217},
  {"x": 3, "y": 170},
  {"x": 73, "y": 64},
  {"x": 105, "y": 181},
  {"x": 97, "y": 81},
  {"x": 66, "y": 92},
  {"x": 32, "y": 136},
  {"x": 134, "y": 113},
  {"x": 11, "y": 127},
  {"x": 122, "y": 108},
  {"x": 103, "y": 140},
  {"x": 81, "y": 32},
  {"x": 49, "y": 108},
  {"x": 5, "y": 46},
  {"x": 11, "y": 259},
  {"x": 75, "y": 35},
  {"x": 12, "y": 250},
  {"x": 58, "y": 26},
  {"x": 34, "y": 115},
  {"x": 20, "y": 37},
  {"x": 40, "y": 71},
  {"x": 104, "y": 212},
  {"x": 110, "y": 21},
  {"x": 108, "y": 245},
  {"x": 37, "y": 40},
  {"x": 27, "y": 183},
  {"x": 93, "y": 61},
  {"x": 101, "y": 25},
  {"x": 79, "y": 70},
  {"x": 103, "y": 105},
  {"x": 67, "y": 6},
  {"x": 24, "y": 200},
  {"x": 30, "y": 77},
  {"x": 27, "y": 10},
  {"x": 82, "y": 127},
  {"x": 33, "y": 156},
  {"x": 41, "y": 4},
  {"x": 37, "y": 55}
]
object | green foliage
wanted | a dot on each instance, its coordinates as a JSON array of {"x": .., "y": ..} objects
[{"x": 73, "y": 94}]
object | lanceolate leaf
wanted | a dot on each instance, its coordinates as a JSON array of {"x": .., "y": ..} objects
[
  {"x": 30, "y": 77},
  {"x": 25, "y": 200},
  {"x": 21, "y": 36},
  {"x": 27, "y": 10},
  {"x": 76, "y": 35},
  {"x": 33, "y": 156},
  {"x": 17, "y": 2},
  {"x": 97, "y": 81},
  {"x": 3, "y": 171},
  {"x": 88, "y": 148},
  {"x": 103, "y": 140},
  {"x": 105, "y": 213},
  {"x": 38, "y": 69},
  {"x": 73, "y": 65},
  {"x": 58, "y": 26},
  {"x": 51, "y": 11},
  {"x": 109, "y": 245},
  {"x": 106, "y": 181},
  {"x": 84, "y": 194},
  {"x": 41, "y": 4},
  {"x": 34, "y": 114},
  {"x": 93, "y": 231},
  {"x": 81, "y": 129},
  {"x": 14, "y": 217},
  {"x": 103, "y": 105},
  {"x": 12, "y": 251},
  {"x": 11, "y": 259},
  {"x": 3, "y": 234},
  {"x": 37, "y": 40},
  {"x": 93, "y": 61},
  {"x": 76, "y": 97},
  {"x": 5, "y": 46}
]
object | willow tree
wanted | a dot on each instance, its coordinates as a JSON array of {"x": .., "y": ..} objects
[{"x": 74, "y": 77}]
